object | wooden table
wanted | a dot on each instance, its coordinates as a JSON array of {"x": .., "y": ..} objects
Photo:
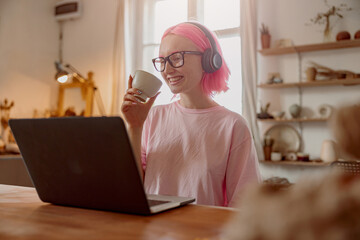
[{"x": 24, "y": 216}]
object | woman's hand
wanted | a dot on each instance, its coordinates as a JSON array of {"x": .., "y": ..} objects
[{"x": 134, "y": 110}]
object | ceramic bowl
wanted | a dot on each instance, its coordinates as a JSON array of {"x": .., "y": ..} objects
[{"x": 278, "y": 114}]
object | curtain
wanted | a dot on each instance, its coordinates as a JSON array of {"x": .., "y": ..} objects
[
  {"x": 248, "y": 34},
  {"x": 127, "y": 53},
  {"x": 118, "y": 66}
]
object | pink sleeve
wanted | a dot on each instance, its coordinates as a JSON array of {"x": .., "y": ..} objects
[
  {"x": 243, "y": 165},
  {"x": 143, "y": 153},
  {"x": 144, "y": 141}
]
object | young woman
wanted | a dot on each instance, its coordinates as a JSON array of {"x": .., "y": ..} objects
[{"x": 192, "y": 147}]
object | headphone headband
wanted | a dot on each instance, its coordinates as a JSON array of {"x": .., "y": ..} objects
[
  {"x": 207, "y": 34},
  {"x": 211, "y": 60}
]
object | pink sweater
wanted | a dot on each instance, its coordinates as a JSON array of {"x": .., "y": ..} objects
[{"x": 203, "y": 153}]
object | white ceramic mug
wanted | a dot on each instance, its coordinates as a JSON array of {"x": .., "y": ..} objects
[
  {"x": 147, "y": 83},
  {"x": 328, "y": 151},
  {"x": 276, "y": 156}
]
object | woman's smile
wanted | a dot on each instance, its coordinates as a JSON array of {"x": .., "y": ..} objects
[{"x": 175, "y": 80}]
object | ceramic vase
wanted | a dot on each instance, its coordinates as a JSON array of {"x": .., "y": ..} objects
[
  {"x": 295, "y": 110},
  {"x": 328, "y": 151}
]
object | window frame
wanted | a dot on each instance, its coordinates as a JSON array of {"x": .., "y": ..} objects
[{"x": 195, "y": 11}]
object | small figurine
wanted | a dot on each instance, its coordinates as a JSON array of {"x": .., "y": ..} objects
[
  {"x": 70, "y": 111},
  {"x": 5, "y": 113},
  {"x": 264, "y": 114},
  {"x": 274, "y": 78},
  {"x": 6, "y": 134}
]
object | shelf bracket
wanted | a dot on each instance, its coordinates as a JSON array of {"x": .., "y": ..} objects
[{"x": 299, "y": 58}]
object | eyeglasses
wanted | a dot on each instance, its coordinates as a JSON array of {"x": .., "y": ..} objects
[{"x": 175, "y": 59}]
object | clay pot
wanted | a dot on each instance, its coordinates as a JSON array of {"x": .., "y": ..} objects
[
  {"x": 265, "y": 40},
  {"x": 357, "y": 35},
  {"x": 344, "y": 35}
]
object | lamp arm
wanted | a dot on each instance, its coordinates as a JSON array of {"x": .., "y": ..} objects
[
  {"x": 99, "y": 101},
  {"x": 75, "y": 71}
]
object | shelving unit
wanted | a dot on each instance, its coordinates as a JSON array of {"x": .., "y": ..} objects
[
  {"x": 300, "y": 84},
  {"x": 294, "y": 120},
  {"x": 318, "y": 83},
  {"x": 311, "y": 47}
]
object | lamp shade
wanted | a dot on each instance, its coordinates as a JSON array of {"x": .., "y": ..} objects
[{"x": 61, "y": 74}]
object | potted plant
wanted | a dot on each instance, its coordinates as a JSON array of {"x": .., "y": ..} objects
[{"x": 265, "y": 36}]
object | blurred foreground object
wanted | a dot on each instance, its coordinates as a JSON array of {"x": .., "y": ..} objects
[
  {"x": 346, "y": 125},
  {"x": 278, "y": 183},
  {"x": 328, "y": 209},
  {"x": 347, "y": 167},
  {"x": 321, "y": 209}
]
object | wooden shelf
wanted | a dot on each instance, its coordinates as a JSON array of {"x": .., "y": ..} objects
[
  {"x": 294, "y": 120},
  {"x": 311, "y": 47},
  {"x": 315, "y": 163},
  {"x": 318, "y": 83}
]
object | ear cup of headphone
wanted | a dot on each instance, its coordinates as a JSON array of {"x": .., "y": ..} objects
[
  {"x": 210, "y": 61},
  {"x": 206, "y": 61},
  {"x": 216, "y": 61}
]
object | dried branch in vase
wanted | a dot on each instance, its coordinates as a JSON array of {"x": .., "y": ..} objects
[
  {"x": 265, "y": 36},
  {"x": 264, "y": 29},
  {"x": 324, "y": 18}
]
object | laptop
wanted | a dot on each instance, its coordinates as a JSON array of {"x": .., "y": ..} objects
[{"x": 88, "y": 163}]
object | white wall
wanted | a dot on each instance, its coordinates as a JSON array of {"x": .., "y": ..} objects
[
  {"x": 88, "y": 44},
  {"x": 287, "y": 19},
  {"x": 29, "y": 45},
  {"x": 28, "y": 48}
]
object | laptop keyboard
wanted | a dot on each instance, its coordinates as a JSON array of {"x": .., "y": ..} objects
[{"x": 156, "y": 202}]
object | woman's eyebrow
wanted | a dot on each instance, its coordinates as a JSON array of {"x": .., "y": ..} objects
[{"x": 169, "y": 54}]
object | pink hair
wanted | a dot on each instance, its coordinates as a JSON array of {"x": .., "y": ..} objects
[{"x": 212, "y": 83}]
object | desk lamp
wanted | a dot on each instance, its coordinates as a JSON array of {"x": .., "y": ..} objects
[
  {"x": 62, "y": 76},
  {"x": 87, "y": 86}
]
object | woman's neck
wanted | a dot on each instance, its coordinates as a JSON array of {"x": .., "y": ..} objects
[{"x": 197, "y": 102}]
